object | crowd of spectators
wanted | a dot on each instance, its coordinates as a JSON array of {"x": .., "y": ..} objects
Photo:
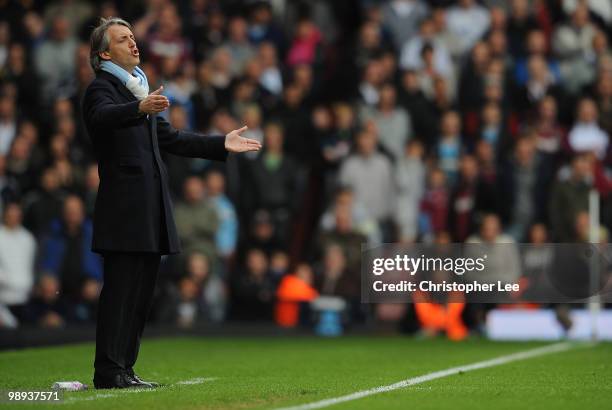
[{"x": 381, "y": 121}]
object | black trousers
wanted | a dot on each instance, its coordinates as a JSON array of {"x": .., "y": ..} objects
[{"x": 125, "y": 302}]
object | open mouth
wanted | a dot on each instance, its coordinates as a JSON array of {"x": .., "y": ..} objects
[{"x": 135, "y": 52}]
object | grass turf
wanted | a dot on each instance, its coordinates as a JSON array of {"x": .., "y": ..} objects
[{"x": 272, "y": 372}]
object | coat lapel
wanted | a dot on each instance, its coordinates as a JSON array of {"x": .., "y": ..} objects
[{"x": 120, "y": 87}]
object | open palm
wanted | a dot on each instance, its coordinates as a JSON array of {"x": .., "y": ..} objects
[{"x": 235, "y": 143}]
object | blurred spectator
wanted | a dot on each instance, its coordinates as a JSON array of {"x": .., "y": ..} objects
[
  {"x": 54, "y": 60},
  {"x": 221, "y": 77},
  {"x": 392, "y": 122},
  {"x": 433, "y": 218},
  {"x": 410, "y": 179},
  {"x": 540, "y": 82},
  {"x": 493, "y": 129},
  {"x": 548, "y": 132},
  {"x": 573, "y": 43},
  {"x": 179, "y": 86},
  {"x": 465, "y": 199},
  {"x": 43, "y": 205},
  {"x": 204, "y": 97},
  {"x": 238, "y": 44},
  {"x": 449, "y": 146},
  {"x": 263, "y": 234},
  {"x": 275, "y": 181},
  {"x": 333, "y": 278},
  {"x": 47, "y": 308},
  {"x": 19, "y": 164},
  {"x": 473, "y": 78},
  {"x": 402, "y": 18},
  {"x": 67, "y": 257},
  {"x": 271, "y": 77},
  {"x": 279, "y": 265},
  {"x": 17, "y": 254},
  {"x": 525, "y": 182},
  {"x": 411, "y": 56},
  {"x": 253, "y": 288},
  {"x": 423, "y": 112},
  {"x": 536, "y": 261},
  {"x": 570, "y": 196},
  {"x": 9, "y": 187},
  {"x": 370, "y": 175},
  {"x": 503, "y": 261},
  {"x": 262, "y": 27},
  {"x": 197, "y": 220},
  {"x": 75, "y": 12},
  {"x": 370, "y": 43},
  {"x": 227, "y": 232},
  {"x": 335, "y": 144},
  {"x": 166, "y": 40},
  {"x": 294, "y": 292},
  {"x": 520, "y": 23},
  {"x": 8, "y": 123},
  {"x": 468, "y": 21},
  {"x": 198, "y": 297},
  {"x": 294, "y": 116},
  {"x": 601, "y": 8},
  {"x": 251, "y": 117},
  {"x": 603, "y": 96},
  {"x": 345, "y": 235},
  {"x": 360, "y": 216},
  {"x": 537, "y": 45},
  {"x": 587, "y": 135},
  {"x": 20, "y": 72}
]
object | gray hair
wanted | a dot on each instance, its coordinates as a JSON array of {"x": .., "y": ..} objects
[{"x": 99, "y": 39}]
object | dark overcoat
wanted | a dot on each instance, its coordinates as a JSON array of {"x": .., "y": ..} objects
[{"x": 133, "y": 210}]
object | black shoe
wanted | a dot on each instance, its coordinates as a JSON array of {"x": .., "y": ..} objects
[
  {"x": 141, "y": 382},
  {"x": 117, "y": 381}
]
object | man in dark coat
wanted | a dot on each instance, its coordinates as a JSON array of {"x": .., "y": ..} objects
[{"x": 133, "y": 220}]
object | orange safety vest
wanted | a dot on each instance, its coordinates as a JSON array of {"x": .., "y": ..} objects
[
  {"x": 290, "y": 293},
  {"x": 445, "y": 317}
]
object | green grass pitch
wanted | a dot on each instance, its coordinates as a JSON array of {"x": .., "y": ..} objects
[{"x": 268, "y": 373}]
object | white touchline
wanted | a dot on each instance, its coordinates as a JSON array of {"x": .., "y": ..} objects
[
  {"x": 197, "y": 380},
  {"x": 117, "y": 393},
  {"x": 527, "y": 354}
]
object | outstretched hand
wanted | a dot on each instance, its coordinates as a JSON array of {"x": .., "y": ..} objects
[
  {"x": 154, "y": 102},
  {"x": 235, "y": 143}
]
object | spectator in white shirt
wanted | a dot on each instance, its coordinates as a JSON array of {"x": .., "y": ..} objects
[
  {"x": 411, "y": 52},
  {"x": 573, "y": 44},
  {"x": 271, "y": 78},
  {"x": 587, "y": 135},
  {"x": 401, "y": 17},
  {"x": 17, "y": 253},
  {"x": 392, "y": 121},
  {"x": 369, "y": 174},
  {"x": 468, "y": 21}
]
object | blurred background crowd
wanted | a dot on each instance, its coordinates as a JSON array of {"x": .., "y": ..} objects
[{"x": 382, "y": 121}]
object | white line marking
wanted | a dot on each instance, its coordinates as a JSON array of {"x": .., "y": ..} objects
[
  {"x": 120, "y": 392},
  {"x": 197, "y": 380},
  {"x": 527, "y": 354}
]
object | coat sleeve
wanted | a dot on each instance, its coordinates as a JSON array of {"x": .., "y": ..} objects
[
  {"x": 189, "y": 144},
  {"x": 101, "y": 110}
]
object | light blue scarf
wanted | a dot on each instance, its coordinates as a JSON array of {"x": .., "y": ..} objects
[{"x": 136, "y": 82}]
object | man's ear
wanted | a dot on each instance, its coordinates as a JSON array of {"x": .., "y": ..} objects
[{"x": 104, "y": 55}]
